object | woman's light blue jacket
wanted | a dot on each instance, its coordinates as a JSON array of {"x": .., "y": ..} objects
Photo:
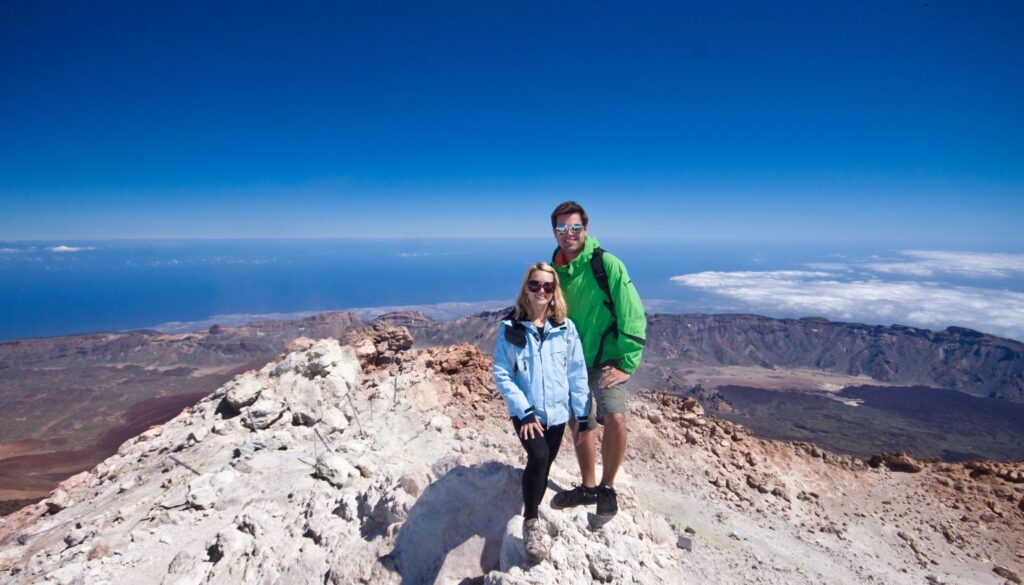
[{"x": 545, "y": 378}]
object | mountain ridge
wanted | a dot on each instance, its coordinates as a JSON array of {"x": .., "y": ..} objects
[
  {"x": 373, "y": 461},
  {"x": 63, "y": 394}
]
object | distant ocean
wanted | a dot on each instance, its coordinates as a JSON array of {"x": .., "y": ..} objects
[{"x": 59, "y": 288}]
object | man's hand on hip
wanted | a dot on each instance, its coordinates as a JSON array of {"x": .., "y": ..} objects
[{"x": 612, "y": 376}]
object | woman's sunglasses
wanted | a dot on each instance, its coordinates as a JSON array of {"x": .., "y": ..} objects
[{"x": 536, "y": 285}]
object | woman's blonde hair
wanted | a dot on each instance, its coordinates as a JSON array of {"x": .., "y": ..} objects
[{"x": 556, "y": 309}]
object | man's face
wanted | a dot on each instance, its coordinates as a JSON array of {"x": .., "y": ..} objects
[{"x": 570, "y": 241}]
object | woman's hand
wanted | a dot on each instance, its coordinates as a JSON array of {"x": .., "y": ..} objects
[{"x": 531, "y": 430}]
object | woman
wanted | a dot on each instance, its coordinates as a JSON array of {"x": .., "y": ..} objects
[{"x": 540, "y": 371}]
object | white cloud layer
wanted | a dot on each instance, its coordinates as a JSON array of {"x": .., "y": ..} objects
[
  {"x": 842, "y": 297},
  {"x": 68, "y": 249},
  {"x": 969, "y": 264}
]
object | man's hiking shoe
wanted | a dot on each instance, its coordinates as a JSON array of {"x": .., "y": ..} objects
[
  {"x": 533, "y": 538},
  {"x": 607, "y": 507},
  {"x": 577, "y": 496}
]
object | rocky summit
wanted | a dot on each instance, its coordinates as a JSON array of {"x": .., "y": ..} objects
[{"x": 369, "y": 461}]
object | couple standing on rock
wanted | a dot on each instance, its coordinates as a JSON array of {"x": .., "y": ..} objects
[{"x": 574, "y": 337}]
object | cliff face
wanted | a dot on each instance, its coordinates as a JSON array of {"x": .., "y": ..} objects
[
  {"x": 374, "y": 462},
  {"x": 956, "y": 358}
]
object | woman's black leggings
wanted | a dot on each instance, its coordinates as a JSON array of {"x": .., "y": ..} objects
[{"x": 540, "y": 454}]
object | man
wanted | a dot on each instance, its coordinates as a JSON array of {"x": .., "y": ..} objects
[{"x": 610, "y": 318}]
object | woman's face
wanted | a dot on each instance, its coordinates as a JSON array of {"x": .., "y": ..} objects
[{"x": 544, "y": 292}]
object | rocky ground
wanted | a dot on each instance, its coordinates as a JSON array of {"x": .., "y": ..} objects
[{"x": 369, "y": 462}]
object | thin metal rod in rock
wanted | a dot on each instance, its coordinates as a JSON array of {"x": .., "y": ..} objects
[
  {"x": 322, "y": 440},
  {"x": 183, "y": 464},
  {"x": 248, "y": 413},
  {"x": 362, "y": 433}
]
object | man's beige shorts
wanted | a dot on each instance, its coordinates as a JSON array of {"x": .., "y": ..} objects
[{"x": 605, "y": 400}]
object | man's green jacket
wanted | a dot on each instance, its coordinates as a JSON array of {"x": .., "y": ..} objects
[{"x": 621, "y": 345}]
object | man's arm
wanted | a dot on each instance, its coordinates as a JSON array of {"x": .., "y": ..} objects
[{"x": 632, "y": 322}]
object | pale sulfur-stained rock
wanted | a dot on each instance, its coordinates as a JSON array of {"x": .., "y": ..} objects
[
  {"x": 335, "y": 469},
  {"x": 58, "y": 500},
  {"x": 243, "y": 391},
  {"x": 440, "y": 423},
  {"x": 263, "y": 413}
]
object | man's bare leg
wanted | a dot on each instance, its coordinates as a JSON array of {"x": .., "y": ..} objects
[
  {"x": 613, "y": 449},
  {"x": 586, "y": 455}
]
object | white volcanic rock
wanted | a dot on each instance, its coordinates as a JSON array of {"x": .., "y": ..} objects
[
  {"x": 335, "y": 469},
  {"x": 243, "y": 391},
  {"x": 310, "y": 471}
]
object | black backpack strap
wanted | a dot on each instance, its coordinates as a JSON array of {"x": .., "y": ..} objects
[{"x": 601, "y": 275}]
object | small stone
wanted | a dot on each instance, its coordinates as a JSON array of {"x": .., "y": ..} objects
[
  {"x": 75, "y": 537},
  {"x": 466, "y": 434},
  {"x": 366, "y": 466},
  {"x": 335, "y": 469},
  {"x": 263, "y": 413},
  {"x": 201, "y": 497},
  {"x": 99, "y": 551},
  {"x": 685, "y": 542},
  {"x": 57, "y": 501},
  {"x": 1007, "y": 573},
  {"x": 222, "y": 427},
  {"x": 411, "y": 485},
  {"x": 243, "y": 392},
  {"x": 440, "y": 422},
  {"x": 197, "y": 435}
]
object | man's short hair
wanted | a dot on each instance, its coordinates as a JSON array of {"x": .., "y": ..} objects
[{"x": 566, "y": 208}]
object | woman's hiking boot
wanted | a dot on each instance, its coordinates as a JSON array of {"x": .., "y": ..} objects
[
  {"x": 533, "y": 538},
  {"x": 577, "y": 496}
]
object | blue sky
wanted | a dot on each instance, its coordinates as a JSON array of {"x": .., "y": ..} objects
[{"x": 855, "y": 121}]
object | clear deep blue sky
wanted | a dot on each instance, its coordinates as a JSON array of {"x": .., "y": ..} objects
[{"x": 758, "y": 120}]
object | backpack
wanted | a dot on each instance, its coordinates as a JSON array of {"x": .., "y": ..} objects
[{"x": 601, "y": 275}]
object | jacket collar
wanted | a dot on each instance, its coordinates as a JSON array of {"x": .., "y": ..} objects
[
  {"x": 589, "y": 245},
  {"x": 515, "y": 332}
]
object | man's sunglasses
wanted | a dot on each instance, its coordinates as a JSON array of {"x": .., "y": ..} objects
[
  {"x": 563, "y": 228},
  {"x": 536, "y": 285}
]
